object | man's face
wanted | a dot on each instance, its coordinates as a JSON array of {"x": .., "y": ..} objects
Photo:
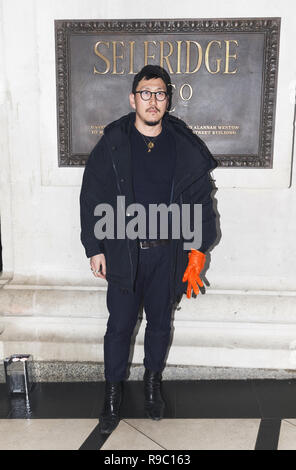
[{"x": 152, "y": 111}]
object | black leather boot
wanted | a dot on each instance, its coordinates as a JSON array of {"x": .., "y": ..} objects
[
  {"x": 154, "y": 404},
  {"x": 109, "y": 417}
]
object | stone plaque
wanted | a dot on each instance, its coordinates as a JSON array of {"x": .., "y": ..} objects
[{"x": 223, "y": 71}]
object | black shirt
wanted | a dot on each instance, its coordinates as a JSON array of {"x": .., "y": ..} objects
[{"x": 152, "y": 171}]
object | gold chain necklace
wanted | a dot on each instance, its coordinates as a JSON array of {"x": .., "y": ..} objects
[{"x": 150, "y": 144}]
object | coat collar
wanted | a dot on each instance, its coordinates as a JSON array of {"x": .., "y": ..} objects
[{"x": 193, "y": 158}]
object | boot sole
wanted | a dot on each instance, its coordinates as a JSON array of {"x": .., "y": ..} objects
[{"x": 154, "y": 417}]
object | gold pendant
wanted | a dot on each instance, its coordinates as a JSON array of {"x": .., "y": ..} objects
[{"x": 150, "y": 146}]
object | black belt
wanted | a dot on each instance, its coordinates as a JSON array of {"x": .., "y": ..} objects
[{"x": 151, "y": 243}]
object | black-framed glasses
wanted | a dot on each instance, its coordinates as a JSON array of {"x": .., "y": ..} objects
[{"x": 146, "y": 95}]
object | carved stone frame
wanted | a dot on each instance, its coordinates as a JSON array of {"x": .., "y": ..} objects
[{"x": 269, "y": 26}]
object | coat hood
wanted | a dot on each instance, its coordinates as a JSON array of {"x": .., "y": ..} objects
[{"x": 121, "y": 127}]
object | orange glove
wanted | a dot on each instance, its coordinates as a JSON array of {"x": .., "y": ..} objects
[{"x": 196, "y": 264}]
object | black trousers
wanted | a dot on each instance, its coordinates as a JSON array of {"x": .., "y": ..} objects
[{"x": 151, "y": 289}]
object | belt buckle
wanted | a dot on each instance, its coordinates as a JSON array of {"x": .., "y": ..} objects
[{"x": 144, "y": 247}]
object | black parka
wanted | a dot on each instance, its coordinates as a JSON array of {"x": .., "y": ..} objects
[{"x": 108, "y": 174}]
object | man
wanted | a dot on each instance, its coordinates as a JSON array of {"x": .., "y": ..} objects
[{"x": 149, "y": 157}]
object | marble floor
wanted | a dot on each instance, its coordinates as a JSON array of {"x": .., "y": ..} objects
[{"x": 200, "y": 415}]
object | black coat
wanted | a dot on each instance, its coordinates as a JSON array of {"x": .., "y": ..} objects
[{"x": 108, "y": 174}]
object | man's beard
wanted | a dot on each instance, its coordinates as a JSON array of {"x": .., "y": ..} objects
[{"x": 152, "y": 123}]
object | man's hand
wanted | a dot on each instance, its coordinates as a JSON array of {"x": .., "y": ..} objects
[{"x": 98, "y": 266}]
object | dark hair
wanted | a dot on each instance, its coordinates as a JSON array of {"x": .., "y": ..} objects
[{"x": 154, "y": 71}]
